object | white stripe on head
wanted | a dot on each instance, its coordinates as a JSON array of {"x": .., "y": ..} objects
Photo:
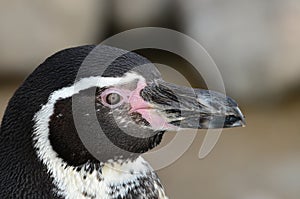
[{"x": 69, "y": 182}]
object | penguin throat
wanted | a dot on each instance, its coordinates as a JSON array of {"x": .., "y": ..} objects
[{"x": 108, "y": 180}]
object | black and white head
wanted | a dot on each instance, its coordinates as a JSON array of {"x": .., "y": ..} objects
[{"x": 87, "y": 127}]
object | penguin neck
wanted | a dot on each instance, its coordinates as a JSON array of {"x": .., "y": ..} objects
[{"x": 110, "y": 180}]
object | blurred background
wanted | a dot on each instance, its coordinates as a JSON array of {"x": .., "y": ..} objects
[{"x": 255, "y": 44}]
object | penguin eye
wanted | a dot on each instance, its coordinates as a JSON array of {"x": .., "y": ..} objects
[{"x": 113, "y": 98}]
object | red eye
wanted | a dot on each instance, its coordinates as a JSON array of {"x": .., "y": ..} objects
[{"x": 113, "y": 98}]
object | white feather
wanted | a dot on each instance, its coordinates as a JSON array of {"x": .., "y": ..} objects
[{"x": 69, "y": 182}]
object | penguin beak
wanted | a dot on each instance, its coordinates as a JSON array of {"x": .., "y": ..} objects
[{"x": 174, "y": 107}]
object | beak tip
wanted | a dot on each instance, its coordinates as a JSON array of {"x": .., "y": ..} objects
[
  {"x": 239, "y": 123},
  {"x": 242, "y": 121}
]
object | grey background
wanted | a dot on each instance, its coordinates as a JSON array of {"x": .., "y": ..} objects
[{"x": 256, "y": 45}]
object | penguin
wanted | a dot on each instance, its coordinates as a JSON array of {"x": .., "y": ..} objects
[{"x": 77, "y": 126}]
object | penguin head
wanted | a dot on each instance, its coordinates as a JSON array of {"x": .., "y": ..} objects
[
  {"x": 86, "y": 115},
  {"x": 90, "y": 108},
  {"x": 97, "y": 113}
]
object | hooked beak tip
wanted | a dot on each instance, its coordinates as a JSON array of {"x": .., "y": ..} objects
[
  {"x": 240, "y": 123},
  {"x": 238, "y": 119}
]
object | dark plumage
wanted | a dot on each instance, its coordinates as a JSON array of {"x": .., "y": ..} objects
[{"x": 42, "y": 153}]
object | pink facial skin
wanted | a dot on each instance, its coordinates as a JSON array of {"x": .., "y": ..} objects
[{"x": 139, "y": 105}]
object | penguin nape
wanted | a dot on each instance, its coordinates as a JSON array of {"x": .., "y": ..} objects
[{"x": 76, "y": 128}]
